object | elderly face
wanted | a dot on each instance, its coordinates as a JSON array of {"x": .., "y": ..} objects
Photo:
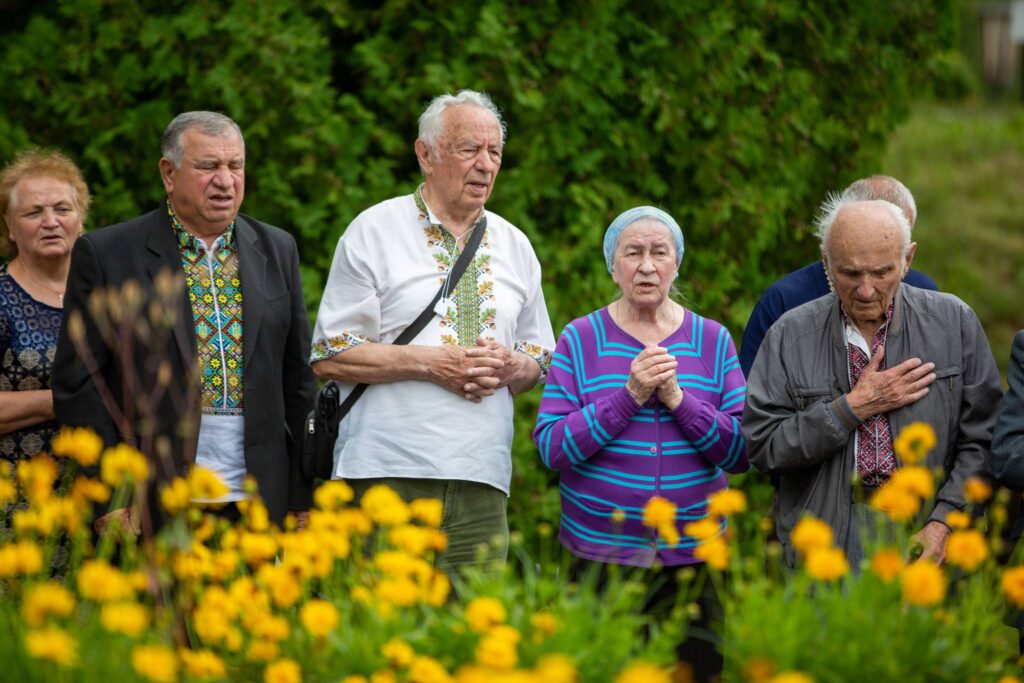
[
  {"x": 644, "y": 265},
  {"x": 460, "y": 174},
  {"x": 864, "y": 258},
  {"x": 207, "y": 190},
  {"x": 43, "y": 217}
]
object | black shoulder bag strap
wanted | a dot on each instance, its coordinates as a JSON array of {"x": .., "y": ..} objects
[{"x": 409, "y": 333}]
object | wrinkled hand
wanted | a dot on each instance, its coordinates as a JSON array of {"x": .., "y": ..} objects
[
  {"x": 670, "y": 393},
  {"x": 455, "y": 369},
  {"x": 122, "y": 518},
  {"x": 932, "y": 539},
  {"x": 879, "y": 392},
  {"x": 652, "y": 367},
  {"x": 488, "y": 380}
]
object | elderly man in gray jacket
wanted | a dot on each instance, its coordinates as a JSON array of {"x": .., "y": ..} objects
[{"x": 836, "y": 379}]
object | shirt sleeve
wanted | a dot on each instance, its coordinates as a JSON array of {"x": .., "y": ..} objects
[
  {"x": 715, "y": 432},
  {"x": 569, "y": 431},
  {"x": 350, "y": 311},
  {"x": 533, "y": 335}
]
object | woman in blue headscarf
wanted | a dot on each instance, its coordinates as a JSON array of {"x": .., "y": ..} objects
[{"x": 643, "y": 400}]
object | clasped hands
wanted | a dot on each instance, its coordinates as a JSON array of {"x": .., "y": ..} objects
[
  {"x": 654, "y": 371},
  {"x": 477, "y": 371}
]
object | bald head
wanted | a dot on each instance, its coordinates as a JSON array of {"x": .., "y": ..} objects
[
  {"x": 883, "y": 187},
  {"x": 867, "y": 251}
]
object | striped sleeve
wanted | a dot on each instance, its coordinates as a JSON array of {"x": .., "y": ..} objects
[
  {"x": 715, "y": 432},
  {"x": 569, "y": 430}
]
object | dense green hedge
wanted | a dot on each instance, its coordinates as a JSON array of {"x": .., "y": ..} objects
[{"x": 735, "y": 117}]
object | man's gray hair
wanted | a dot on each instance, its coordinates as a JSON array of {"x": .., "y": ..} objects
[
  {"x": 431, "y": 120},
  {"x": 887, "y": 188},
  {"x": 834, "y": 205},
  {"x": 208, "y": 123}
]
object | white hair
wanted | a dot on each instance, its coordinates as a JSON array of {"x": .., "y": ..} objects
[
  {"x": 883, "y": 187},
  {"x": 834, "y": 205},
  {"x": 432, "y": 118},
  {"x": 208, "y": 122}
]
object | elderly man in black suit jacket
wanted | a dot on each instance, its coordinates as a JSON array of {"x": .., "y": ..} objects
[{"x": 202, "y": 356}]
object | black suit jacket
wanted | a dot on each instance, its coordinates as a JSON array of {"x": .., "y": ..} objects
[{"x": 126, "y": 366}]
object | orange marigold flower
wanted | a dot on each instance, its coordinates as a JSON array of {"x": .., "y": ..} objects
[
  {"x": 155, "y": 663},
  {"x": 123, "y": 464},
  {"x": 332, "y": 495},
  {"x": 129, "y": 618},
  {"x": 398, "y": 652},
  {"x": 827, "y": 564},
  {"x": 81, "y": 444},
  {"x": 914, "y": 442},
  {"x": 205, "y": 485},
  {"x": 977, "y": 490},
  {"x": 887, "y": 564},
  {"x": 898, "y": 504},
  {"x": 1013, "y": 586},
  {"x": 714, "y": 552},
  {"x": 923, "y": 584},
  {"x": 202, "y": 663},
  {"x": 319, "y": 617},
  {"x": 384, "y": 506},
  {"x": 726, "y": 503},
  {"x": 427, "y": 510},
  {"x": 967, "y": 549},
  {"x": 45, "y": 599},
  {"x": 37, "y": 477},
  {"x": 703, "y": 529},
  {"x": 810, "y": 533},
  {"x": 958, "y": 520},
  {"x": 175, "y": 496},
  {"x": 497, "y": 649},
  {"x": 556, "y": 668},
  {"x": 659, "y": 512},
  {"x": 916, "y": 480},
  {"x": 100, "y": 582},
  {"x": 283, "y": 671},
  {"x": 428, "y": 670},
  {"x": 54, "y": 644},
  {"x": 483, "y": 614}
]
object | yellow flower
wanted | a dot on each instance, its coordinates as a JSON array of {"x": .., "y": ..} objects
[
  {"x": 702, "y": 529},
  {"x": 123, "y": 464},
  {"x": 966, "y": 549},
  {"x": 8, "y": 491},
  {"x": 437, "y": 591},
  {"x": 413, "y": 539},
  {"x": 205, "y": 484},
  {"x": 155, "y": 663},
  {"x": 915, "y": 480},
  {"x": 332, "y": 495},
  {"x": 726, "y": 503},
  {"x": 398, "y": 652},
  {"x": 1013, "y": 586},
  {"x": 977, "y": 490},
  {"x": 85, "y": 490},
  {"x": 897, "y": 503},
  {"x": 175, "y": 496},
  {"x": 283, "y": 671},
  {"x": 257, "y": 548},
  {"x": 544, "y": 623},
  {"x": 659, "y": 512},
  {"x": 98, "y": 581},
  {"x": 887, "y": 564},
  {"x": 428, "y": 670},
  {"x": 52, "y": 643},
  {"x": 555, "y": 668},
  {"x": 128, "y": 618},
  {"x": 24, "y": 557},
  {"x": 45, "y": 599},
  {"x": 354, "y": 679},
  {"x": 618, "y": 516},
  {"x": 483, "y": 613},
  {"x": 384, "y": 506},
  {"x": 914, "y": 442},
  {"x": 923, "y": 584},
  {"x": 811, "y": 533},
  {"x": 497, "y": 649},
  {"x": 319, "y": 617},
  {"x": 81, "y": 444},
  {"x": 428, "y": 510},
  {"x": 958, "y": 520},
  {"x": 827, "y": 564},
  {"x": 37, "y": 477},
  {"x": 262, "y": 651},
  {"x": 758, "y": 670},
  {"x": 791, "y": 677},
  {"x": 1008, "y": 679},
  {"x": 715, "y": 552},
  {"x": 202, "y": 664},
  {"x": 642, "y": 672}
]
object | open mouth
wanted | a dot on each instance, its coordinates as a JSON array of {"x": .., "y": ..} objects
[
  {"x": 222, "y": 200},
  {"x": 477, "y": 186}
]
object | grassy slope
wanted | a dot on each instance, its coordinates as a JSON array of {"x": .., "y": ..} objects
[{"x": 965, "y": 166}]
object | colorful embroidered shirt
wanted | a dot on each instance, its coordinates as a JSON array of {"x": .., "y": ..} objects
[
  {"x": 215, "y": 291},
  {"x": 388, "y": 265},
  {"x": 876, "y": 461},
  {"x": 613, "y": 456}
]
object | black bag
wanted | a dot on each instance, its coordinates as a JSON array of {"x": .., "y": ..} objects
[{"x": 321, "y": 429}]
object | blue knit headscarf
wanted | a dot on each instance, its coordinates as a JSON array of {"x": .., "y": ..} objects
[{"x": 627, "y": 218}]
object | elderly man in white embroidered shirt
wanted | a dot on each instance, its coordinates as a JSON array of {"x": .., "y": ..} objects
[{"x": 436, "y": 421}]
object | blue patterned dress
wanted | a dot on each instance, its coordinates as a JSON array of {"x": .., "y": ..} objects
[{"x": 28, "y": 339}]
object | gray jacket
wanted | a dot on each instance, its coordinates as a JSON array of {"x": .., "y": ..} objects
[{"x": 800, "y": 429}]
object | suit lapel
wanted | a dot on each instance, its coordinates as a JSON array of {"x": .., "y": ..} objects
[
  {"x": 253, "y": 267},
  {"x": 165, "y": 256}
]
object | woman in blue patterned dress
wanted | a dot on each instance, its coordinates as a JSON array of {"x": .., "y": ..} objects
[{"x": 43, "y": 203}]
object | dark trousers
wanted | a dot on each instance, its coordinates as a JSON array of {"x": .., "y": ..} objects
[{"x": 699, "y": 652}]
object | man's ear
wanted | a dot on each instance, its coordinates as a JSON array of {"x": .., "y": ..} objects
[
  {"x": 425, "y": 156},
  {"x": 910, "y": 257},
  {"x": 167, "y": 169}
]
